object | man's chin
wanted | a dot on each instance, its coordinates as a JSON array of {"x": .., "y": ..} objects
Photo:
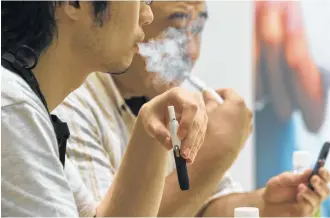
[
  {"x": 119, "y": 72},
  {"x": 163, "y": 87},
  {"x": 175, "y": 83}
]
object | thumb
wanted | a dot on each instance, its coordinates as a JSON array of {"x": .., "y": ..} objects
[
  {"x": 210, "y": 101},
  {"x": 158, "y": 130},
  {"x": 207, "y": 96},
  {"x": 287, "y": 179}
]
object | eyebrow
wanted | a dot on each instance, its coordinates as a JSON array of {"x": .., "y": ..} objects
[{"x": 203, "y": 14}]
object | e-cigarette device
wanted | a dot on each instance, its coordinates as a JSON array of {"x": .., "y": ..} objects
[{"x": 180, "y": 162}]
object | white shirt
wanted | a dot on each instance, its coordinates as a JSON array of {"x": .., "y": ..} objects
[
  {"x": 33, "y": 181},
  {"x": 100, "y": 125}
]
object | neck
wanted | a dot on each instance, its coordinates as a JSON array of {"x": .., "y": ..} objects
[
  {"x": 59, "y": 73},
  {"x": 131, "y": 86},
  {"x": 124, "y": 88}
]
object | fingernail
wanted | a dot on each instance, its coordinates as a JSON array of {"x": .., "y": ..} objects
[
  {"x": 314, "y": 180},
  {"x": 168, "y": 142},
  {"x": 192, "y": 159},
  {"x": 182, "y": 134},
  {"x": 186, "y": 153},
  {"x": 192, "y": 155}
]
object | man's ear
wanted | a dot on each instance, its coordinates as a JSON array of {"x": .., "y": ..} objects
[{"x": 72, "y": 9}]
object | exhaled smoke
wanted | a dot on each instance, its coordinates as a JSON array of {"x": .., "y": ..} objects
[{"x": 167, "y": 56}]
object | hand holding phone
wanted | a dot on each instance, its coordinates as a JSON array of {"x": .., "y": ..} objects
[{"x": 320, "y": 162}]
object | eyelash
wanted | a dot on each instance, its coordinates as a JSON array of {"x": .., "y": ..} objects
[{"x": 180, "y": 16}]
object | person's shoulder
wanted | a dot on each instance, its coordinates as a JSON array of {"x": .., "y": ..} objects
[
  {"x": 14, "y": 90},
  {"x": 96, "y": 84},
  {"x": 35, "y": 183},
  {"x": 92, "y": 97},
  {"x": 19, "y": 104}
]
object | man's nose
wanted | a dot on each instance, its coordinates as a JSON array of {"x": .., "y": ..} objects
[
  {"x": 192, "y": 50},
  {"x": 146, "y": 15}
]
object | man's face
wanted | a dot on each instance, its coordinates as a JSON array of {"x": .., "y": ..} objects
[
  {"x": 172, "y": 21},
  {"x": 111, "y": 44},
  {"x": 179, "y": 15}
]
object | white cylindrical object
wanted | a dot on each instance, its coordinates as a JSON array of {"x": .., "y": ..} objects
[
  {"x": 246, "y": 212},
  {"x": 199, "y": 84},
  {"x": 215, "y": 95},
  {"x": 174, "y": 125},
  {"x": 301, "y": 159},
  {"x": 171, "y": 112}
]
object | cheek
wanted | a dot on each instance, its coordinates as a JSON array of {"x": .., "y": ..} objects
[{"x": 197, "y": 42}]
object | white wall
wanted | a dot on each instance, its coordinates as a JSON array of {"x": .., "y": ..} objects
[{"x": 226, "y": 61}]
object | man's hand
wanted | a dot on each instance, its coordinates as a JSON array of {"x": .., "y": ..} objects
[
  {"x": 191, "y": 114},
  {"x": 229, "y": 125},
  {"x": 288, "y": 195}
]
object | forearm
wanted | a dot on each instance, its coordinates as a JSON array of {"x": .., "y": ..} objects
[
  {"x": 138, "y": 186},
  {"x": 225, "y": 205},
  {"x": 204, "y": 178},
  {"x": 276, "y": 72},
  {"x": 312, "y": 106}
]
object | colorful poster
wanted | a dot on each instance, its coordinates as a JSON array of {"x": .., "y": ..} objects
[{"x": 292, "y": 78}]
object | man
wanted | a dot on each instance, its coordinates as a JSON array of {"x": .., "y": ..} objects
[
  {"x": 101, "y": 121},
  {"x": 66, "y": 41}
]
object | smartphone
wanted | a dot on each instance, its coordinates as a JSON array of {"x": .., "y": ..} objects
[{"x": 320, "y": 162}]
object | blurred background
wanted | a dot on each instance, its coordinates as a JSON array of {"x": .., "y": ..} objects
[{"x": 277, "y": 56}]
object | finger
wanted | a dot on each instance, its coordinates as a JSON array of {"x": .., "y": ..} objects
[
  {"x": 189, "y": 111},
  {"x": 306, "y": 175},
  {"x": 320, "y": 187},
  {"x": 187, "y": 105},
  {"x": 231, "y": 95},
  {"x": 158, "y": 130},
  {"x": 199, "y": 141},
  {"x": 210, "y": 102},
  {"x": 189, "y": 145},
  {"x": 304, "y": 208},
  {"x": 288, "y": 179},
  {"x": 192, "y": 142},
  {"x": 311, "y": 197},
  {"x": 207, "y": 96},
  {"x": 324, "y": 174}
]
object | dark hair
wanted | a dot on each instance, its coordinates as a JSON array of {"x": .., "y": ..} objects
[{"x": 33, "y": 23}]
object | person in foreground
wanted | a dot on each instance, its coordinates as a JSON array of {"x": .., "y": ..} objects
[
  {"x": 72, "y": 39},
  {"x": 102, "y": 120}
]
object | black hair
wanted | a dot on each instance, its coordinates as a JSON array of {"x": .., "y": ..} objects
[{"x": 33, "y": 23}]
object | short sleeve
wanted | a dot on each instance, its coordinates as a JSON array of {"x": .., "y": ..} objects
[
  {"x": 226, "y": 186},
  {"x": 85, "y": 204},
  {"x": 33, "y": 182}
]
